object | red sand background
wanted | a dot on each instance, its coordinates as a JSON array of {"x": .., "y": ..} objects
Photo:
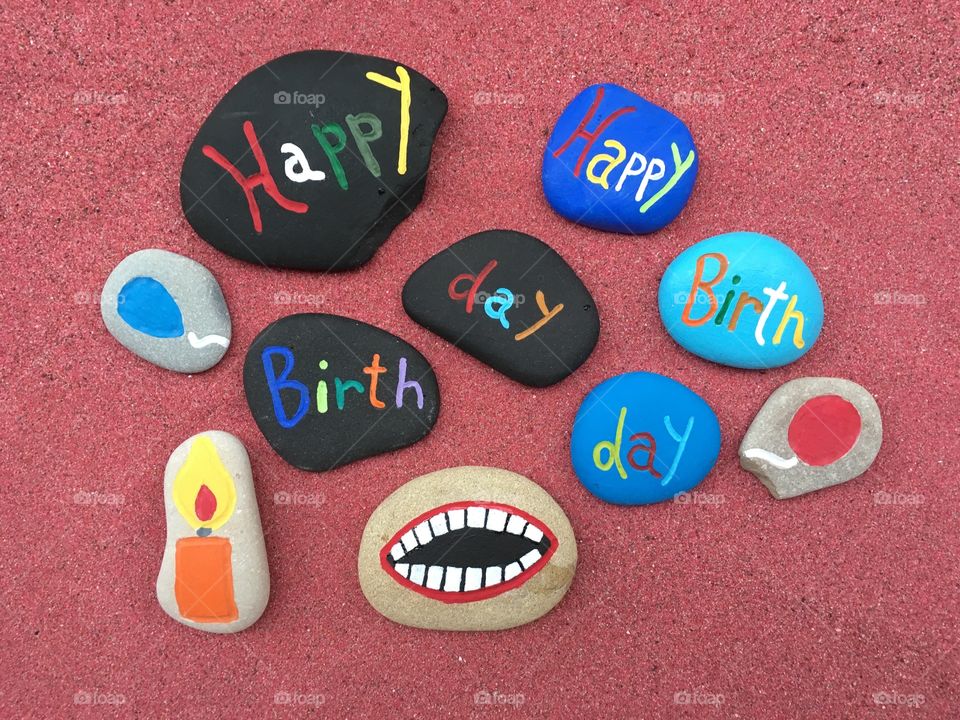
[{"x": 835, "y": 133}]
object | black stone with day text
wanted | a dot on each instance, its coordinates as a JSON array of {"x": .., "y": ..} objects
[
  {"x": 323, "y": 226},
  {"x": 325, "y": 440},
  {"x": 524, "y": 266}
]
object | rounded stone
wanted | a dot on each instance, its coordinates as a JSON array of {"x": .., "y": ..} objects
[
  {"x": 617, "y": 162},
  {"x": 812, "y": 433},
  {"x": 741, "y": 299},
  {"x": 642, "y": 438},
  {"x": 168, "y": 309},
  {"x": 326, "y": 390},
  {"x": 311, "y": 160},
  {"x": 467, "y": 548},
  {"x": 509, "y": 300},
  {"x": 214, "y": 574}
]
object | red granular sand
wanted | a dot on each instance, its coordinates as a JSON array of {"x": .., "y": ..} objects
[{"x": 832, "y": 129}]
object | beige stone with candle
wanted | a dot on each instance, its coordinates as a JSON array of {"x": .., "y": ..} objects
[{"x": 214, "y": 574}]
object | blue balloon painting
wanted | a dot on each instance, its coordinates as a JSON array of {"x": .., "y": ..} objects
[{"x": 147, "y": 306}]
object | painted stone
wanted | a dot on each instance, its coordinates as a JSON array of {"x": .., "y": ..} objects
[
  {"x": 812, "y": 433},
  {"x": 509, "y": 300},
  {"x": 641, "y": 438},
  {"x": 617, "y": 162},
  {"x": 467, "y": 548},
  {"x": 167, "y": 309},
  {"x": 214, "y": 574},
  {"x": 311, "y": 160},
  {"x": 326, "y": 390},
  {"x": 741, "y": 299}
]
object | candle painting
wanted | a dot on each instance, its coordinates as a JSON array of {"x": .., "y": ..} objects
[{"x": 214, "y": 574}]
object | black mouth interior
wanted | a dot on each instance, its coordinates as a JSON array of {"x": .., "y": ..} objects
[{"x": 474, "y": 547}]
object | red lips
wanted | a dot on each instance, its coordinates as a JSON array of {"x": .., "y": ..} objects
[{"x": 468, "y": 551}]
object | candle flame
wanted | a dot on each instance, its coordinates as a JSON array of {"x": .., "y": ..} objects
[{"x": 203, "y": 490}]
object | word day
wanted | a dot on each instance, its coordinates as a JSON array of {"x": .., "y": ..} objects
[
  {"x": 497, "y": 304},
  {"x": 365, "y": 128},
  {"x": 639, "y": 165},
  {"x": 321, "y": 396},
  {"x": 646, "y": 445},
  {"x": 718, "y": 311}
]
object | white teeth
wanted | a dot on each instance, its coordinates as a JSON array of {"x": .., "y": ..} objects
[
  {"x": 496, "y": 520},
  {"x": 475, "y": 517},
  {"x": 457, "y": 519},
  {"x": 451, "y": 581},
  {"x": 438, "y": 524},
  {"x": 474, "y": 579},
  {"x": 434, "y": 576},
  {"x": 515, "y": 525},
  {"x": 530, "y": 558},
  {"x": 422, "y": 531},
  {"x": 458, "y": 579}
]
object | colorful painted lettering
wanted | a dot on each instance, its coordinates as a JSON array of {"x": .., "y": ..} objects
[
  {"x": 496, "y": 305},
  {"x": 646, "y": 444},
  {"x": 706, "y": 288},
  {"x": 281, "y": 382},
  {"x": 365, "y": 128},
  {"x": 639, "y": 165}
]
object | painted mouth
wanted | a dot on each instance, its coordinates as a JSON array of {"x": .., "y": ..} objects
[{"x": 467, "y": 551}]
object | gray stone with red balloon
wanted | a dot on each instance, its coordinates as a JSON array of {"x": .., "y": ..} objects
[{"x": 812, "y": 433}]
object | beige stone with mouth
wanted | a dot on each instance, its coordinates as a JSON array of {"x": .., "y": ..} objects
[{"x": 545, "y": 584}]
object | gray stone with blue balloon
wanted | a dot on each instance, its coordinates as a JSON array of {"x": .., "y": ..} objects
[{"x": 168, "y": 309}]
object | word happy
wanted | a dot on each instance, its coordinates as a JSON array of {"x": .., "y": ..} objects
[
  {"x": 365, "y": 128},
  {"x": 639, "y": 165},
  {"x": 718, "y": 311},
  {"x": 321, "y": 396}
]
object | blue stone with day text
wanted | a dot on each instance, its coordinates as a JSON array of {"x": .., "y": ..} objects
[{"x": 642, "y": 438}]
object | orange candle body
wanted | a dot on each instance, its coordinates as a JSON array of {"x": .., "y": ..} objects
[{"x": 204, "y": 580}]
